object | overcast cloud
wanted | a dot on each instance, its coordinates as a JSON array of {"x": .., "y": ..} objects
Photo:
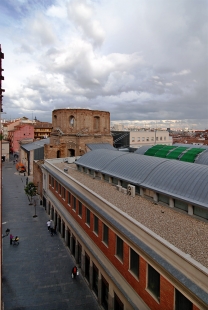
[{"x": 138, "y": 59}]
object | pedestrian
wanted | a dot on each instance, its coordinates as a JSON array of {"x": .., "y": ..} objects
[
  {"x": 74, "y": 272},
  {"x": 49, "y": 224},
  {"x": 11, "y": 237}
]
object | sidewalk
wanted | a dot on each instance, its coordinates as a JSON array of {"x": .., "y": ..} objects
[{"x": 37, "y": 272}]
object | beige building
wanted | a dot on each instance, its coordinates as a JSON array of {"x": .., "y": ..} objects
[
  {"x": 73, "y": 129},
  {"x": 5, "y": 150},
  {"x": 140, "y": 138}
]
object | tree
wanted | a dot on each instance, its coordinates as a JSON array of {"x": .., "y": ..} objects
[{"x": 30, "y": 191}]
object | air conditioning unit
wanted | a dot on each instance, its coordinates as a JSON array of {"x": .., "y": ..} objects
[{"x": 131, "y": 190}]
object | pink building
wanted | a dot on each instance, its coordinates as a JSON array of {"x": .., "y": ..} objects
[{"x": 19, "y": 133}]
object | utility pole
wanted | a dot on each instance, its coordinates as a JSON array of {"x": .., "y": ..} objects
[{"x": 1, "y": 136}]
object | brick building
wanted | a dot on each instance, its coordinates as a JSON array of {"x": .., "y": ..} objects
[
  {"x": 135, "y": 253},
  {"x": 74, "y": 128}
]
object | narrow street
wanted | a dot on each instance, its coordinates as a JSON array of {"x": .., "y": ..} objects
[{"x": 37, "y": 272}]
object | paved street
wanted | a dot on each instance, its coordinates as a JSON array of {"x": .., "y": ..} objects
[{"x": 37, "y": 272}]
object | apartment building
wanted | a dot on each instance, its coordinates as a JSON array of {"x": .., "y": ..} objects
[
  {"x": 42, "y": 130},
  {"x": 147, "y": 137},
  {"x": 139, "y": 242}
]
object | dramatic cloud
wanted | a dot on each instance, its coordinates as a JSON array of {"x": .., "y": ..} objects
[{"x": 139, "y": 60}]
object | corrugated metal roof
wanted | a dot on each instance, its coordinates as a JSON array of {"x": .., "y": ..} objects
[
  {"x": 35, "y": 145},
  {"x": 182, "y": 180},
  {"x": 96, "y": 146},
  {"x": 98, "y": 159},
  {"x": 202, "y": 158},
  {"x": 143, "y": 149}
]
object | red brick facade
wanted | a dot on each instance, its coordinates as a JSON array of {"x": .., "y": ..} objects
[{"x": 139, "y": 284}]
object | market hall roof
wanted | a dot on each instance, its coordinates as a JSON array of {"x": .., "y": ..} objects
[
  {"x": 96, "y": 146},
  {"x": 182, "y": 180}
]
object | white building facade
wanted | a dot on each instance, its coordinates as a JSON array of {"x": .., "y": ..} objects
[{"x": 140, "y": 138}]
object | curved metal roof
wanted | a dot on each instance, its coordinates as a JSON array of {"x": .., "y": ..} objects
[
  {"x": 141, "y": 150},
  {"x": 182, "y": 180},
  {"x": 98, "y": 159},
  {"x": 202, "y": 158},
  {"x": 95, "y": 146}
]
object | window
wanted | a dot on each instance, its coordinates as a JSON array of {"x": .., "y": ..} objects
[
  {"x": 96, "y": 123},
  {"x": 104, "y": 293},
  {"x": 69, "y": 198},
  {"x": 56, "y": 186},
  {"x": 71, "y": 121},
  {"x": 181, "y": 302},
  {"x": 154, "y": 282},
  {"x": 60, "y": 189},
  {"x": 52, "y": 182},
  {"x": 160, "y": 138},
  {"x": 156, "y": 138},
  {"x": 134, "y": 263},
  {"x": 49, "y": 179},
  {"x": 119, "y": 248},
  {"x": 147, "y": 139},
  {"x": 63, "y": 193},
  {"x": 133, "y": 139},
  {"x": 152, "y": 138},
  {"x": 74, "y": 203},
  {"x": 143, "y": 138},
  {"x": 80, "y": 209},
  {"x": 96, "y": 224},
  {"x": 118, "y": 305},
  {"x": 105, "y": 234},
  {"x": 164, "y": 138},
  {"x": 87, "y": 216},
  {"x": 138, "y": 139}
]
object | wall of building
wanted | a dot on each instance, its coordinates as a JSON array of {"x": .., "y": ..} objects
[
  {"x": 74, "y": 128},
  {"x": 138, "y": 138},
  {"x": 63, "y": 205},
  {"x": 76, "y": 146},
  {"x": 22, "y": 132},
  {"x": 5, "y": 149},
  {"x": 81, "y": 121},
  {"x": 38, "y": 176}
]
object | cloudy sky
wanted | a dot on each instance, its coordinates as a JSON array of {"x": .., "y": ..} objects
[{"x": 141, "y": 60}]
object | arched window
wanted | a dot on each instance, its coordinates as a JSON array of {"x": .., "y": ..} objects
[
  {"x": 96, "y": 123},
  {"x": 71, "y": 120}
]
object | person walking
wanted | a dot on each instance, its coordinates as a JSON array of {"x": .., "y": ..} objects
[
  {"x": 11, "y": 237},
  {"x": 74, "y": 272},
  {"x": 49, "y": 225}
]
